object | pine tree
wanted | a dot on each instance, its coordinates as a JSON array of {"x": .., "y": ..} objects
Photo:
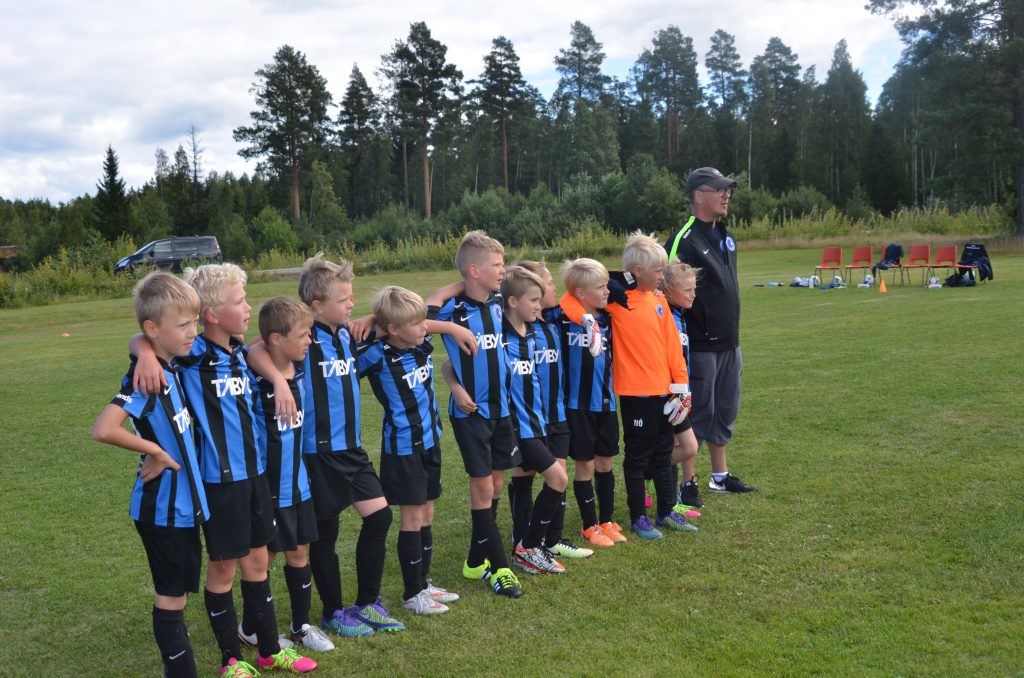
[
  {"x": 503, "y": 93},
  {"x": 112, "y": 212},
  {"x": 291, "y": 125},
  {"x": 580, "y": 67}
]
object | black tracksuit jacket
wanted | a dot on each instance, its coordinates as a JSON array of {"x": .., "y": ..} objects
[{"x": 713, "y": 323}]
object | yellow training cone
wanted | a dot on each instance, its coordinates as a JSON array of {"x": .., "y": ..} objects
[{"x": 881, "y": 288}]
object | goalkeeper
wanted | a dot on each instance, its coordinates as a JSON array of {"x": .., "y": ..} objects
[{"x": 649, "y": 377}]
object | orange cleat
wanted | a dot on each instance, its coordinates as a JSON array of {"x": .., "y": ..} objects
[
  {"x": 613, "y": 532},
  {"x": 595, "y": 536}
]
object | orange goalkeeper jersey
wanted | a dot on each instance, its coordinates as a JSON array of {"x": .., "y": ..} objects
[{"x": 645, "y": 343}]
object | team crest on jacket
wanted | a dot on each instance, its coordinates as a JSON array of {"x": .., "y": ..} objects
[
  {"x": 660, "y": 310},
  {"x": 730, "y": 243}
]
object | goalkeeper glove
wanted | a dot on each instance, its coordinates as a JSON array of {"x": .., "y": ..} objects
[{"x": 594, "y": 336}]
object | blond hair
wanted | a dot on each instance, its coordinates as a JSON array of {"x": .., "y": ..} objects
[
  {"x": 676, "y": 273},
  {"x": 282, "y": 315},
  {"x": 583, "y": 273},
  {"x": 643, "y": 251},
  {"x": 160, "y": 291},
  {"x": 517, "y": 280},
  {"x": 474, "y": 247},
  {"x": 210, "y": 280},
  {"x": 320, "y": 275},
  {"x": 538, "y": 268},
  {"x": 398, "y": 306}
]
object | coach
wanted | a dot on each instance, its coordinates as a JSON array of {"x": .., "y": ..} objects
[{"x": 713, "y": 324}]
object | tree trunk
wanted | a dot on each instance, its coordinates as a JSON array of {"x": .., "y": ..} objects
[
  {"x": 668, "y": 137},
  {"x": 405, "y": 173},
  {"x": 504, "y": 151},
  {"x": 426, "y": 180},
  {"x": 293, "y": 161}
]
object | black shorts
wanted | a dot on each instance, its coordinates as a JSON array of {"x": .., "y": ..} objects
[
  {"x": 296, "y": 525},
  {"x": 241, "y": 517},
  {"x": 536, "y": 455},
  {"x": 486, "y": 444},
  {"x": 337, "y": 479},
  {"x": 685, "y": 425},
  {"x": 411, "y": 479},
  {"x": 558, "y": 439},
  {"x": 175, "y": 557},
  {"x": 592, "y": 434}
]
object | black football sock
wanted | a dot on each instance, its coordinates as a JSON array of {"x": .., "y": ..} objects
[
  {"x": 664, "y": 488},
  {"x": 172, "y": 640},
  {"x": 478, "y": 548},
  {"x": 635, "y": 497},
  {"x": 410, "y": 558},
  {"x": 543, "y": 508},
  {"x": 675, "y": 475},
  {"x": 258, "y": 607},
  {"x": 554, "y": 533},
  {"x": 520, "y": 503},
  {"x": 604, "y": 484},
  {"x": 323, "y": 560},
  {"x": 427, "y": 543},
  {"x": 371, "y": 550},
  {"x": 300, "y": 592},
  {"x": 584, "y": 491},
  {"x": 220, "y": 609}
]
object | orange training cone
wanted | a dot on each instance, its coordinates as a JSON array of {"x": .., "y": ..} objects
[{"x": 881, "y": 288}]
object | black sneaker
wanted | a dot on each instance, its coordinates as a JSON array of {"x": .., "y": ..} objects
[
  {"x": 689, "y": 494},
  {"x": 730, "y": 483}
]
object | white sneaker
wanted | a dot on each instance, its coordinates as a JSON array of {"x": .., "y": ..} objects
[
  {"x": 313, "y": 638},
  {"x": 439, "y": 594},
  {"x": 250, "y": 639},
  {"x": 424, "y": 603}
]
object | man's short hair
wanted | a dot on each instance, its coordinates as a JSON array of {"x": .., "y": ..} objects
[
  {"x": 319, "y": 277},
  {"x": 583, "y": 273},
  {"x": 160, "y": 291},
  {"x": 643, "y": 251},
  {"x": 398, "y": 306},
  {"x": 282, "y": 315},
  {"x": 475, "y": 246},
  {"x": 210, "y": 281},
  {"x": 676, "y": 273},
  {"x": 518, "y": 280}
]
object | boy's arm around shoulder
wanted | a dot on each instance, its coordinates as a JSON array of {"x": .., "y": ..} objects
[
  {"x": 258, "y": 358},
  {"x": 149, "y": 377},
  {"x": 442, "y": 294},
  {"x": 109, "y": 428},
  {"x": 462, "y": 336}
]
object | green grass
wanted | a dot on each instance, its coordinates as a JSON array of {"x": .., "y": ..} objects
[{"x": 883, "y": 431}]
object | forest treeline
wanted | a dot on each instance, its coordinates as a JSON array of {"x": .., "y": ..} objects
[{"x": 436, "y": 149}]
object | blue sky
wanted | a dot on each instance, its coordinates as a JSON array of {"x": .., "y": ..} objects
[{"x": 79, "y": 76}]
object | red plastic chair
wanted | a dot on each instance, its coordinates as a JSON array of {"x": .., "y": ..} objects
[
  {"x": 862, "y": 258},
  {"x": 831, "y": 260},
  {"x": 920, "y": 257},
  {"x": 945, "y": 257}
]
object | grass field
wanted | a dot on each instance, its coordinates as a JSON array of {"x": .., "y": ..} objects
[{"x": 883, "y": 430}]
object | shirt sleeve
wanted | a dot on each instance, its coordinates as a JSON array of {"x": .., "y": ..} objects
[
  {"x": 676, "y": 364},
  {"x": 369, "y": 358}
]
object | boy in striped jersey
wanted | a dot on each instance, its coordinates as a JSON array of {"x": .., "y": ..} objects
[
  {"x": 547, "y": 356},
  {"x": 215, "y": 376},
  {"x": 168, "y": 502},
  {"x": 481, "y": 422},
  {"x": 680, "y": 289},
  {"x": 593, "y": 420},
  {"x": 522, "y": 292},
  {"x": 284, "y": 331},
  {"x": 400, "y": 371}
]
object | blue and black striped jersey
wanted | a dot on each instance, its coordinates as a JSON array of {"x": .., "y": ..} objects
[
  {"x": 678, "y": 315},
  {"x": 220, "y": 393},
  {"x": 588, "y": 380},
  {"x": 174, "y": 498},
  {"x": 524, "y": 385},
  {"x": 548, "y": 357},
  {"x": 485, "y": 375},
  {"x": 281, "y": 443},
  {"x": 403, "y": 381},
  {"x": 331, "y": 395}
]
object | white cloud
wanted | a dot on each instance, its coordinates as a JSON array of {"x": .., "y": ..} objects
[{"x": 79, "y": 76}]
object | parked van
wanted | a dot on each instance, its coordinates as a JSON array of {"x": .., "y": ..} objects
[{"x": 169, "y": 253}]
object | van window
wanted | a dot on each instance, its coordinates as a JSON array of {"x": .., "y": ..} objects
[{"x": 162, "y": 248}]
